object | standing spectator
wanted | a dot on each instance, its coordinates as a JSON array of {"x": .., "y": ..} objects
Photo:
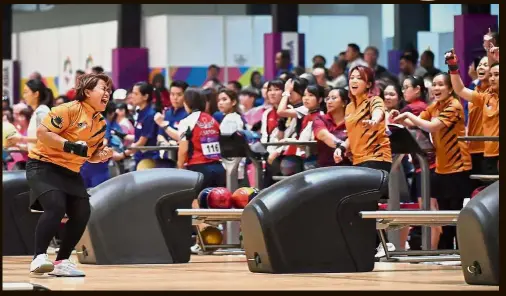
[
  {"x": 256, "y": 80},
  {"x": 319, "y": 60},
  {"x": 353, "y": 56},
  {"x": 213, "y": 72},
  {"x": 408, "y": 66},
  {"x": 71, "y": 94},
  {"x": 337, "y": 75},
  {"x": 160, "y": 93},
  {"x": 371, "y": 55},
  {"x": 427, "y": 62},
  {"x": 283, "y": 62},
  {"x": 235, "y": 86}
]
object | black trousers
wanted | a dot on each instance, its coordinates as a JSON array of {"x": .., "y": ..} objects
[
  {"x": 377, "y": 165},
  {"x": 450, "y": 192},
  {"x": 56, "y": 204}
]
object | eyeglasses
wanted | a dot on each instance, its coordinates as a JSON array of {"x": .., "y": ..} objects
[{"x": 327, "y": 99}]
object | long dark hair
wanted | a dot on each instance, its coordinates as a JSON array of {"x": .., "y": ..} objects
[
  {"x": 233, "y": 97},
  {"x": 448, "y": 81},
  {"x": 194, "y": 99},
  {"x": 417, "y": 81},
  {"x": 367, "y": 74},
  {"x": 45, "y": 94},
  {"x": 145, "y": 89},
  {"x": 211, "y": 95}
]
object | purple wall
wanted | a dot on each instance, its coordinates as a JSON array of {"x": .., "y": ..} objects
[
  {"x": 272, "y": 45},
  {"x": 129, "y": 65},
  {"x": 393, "y": 61},
  {"x": 468, "y": 39}
]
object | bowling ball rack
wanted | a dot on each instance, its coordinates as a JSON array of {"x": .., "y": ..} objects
[{"x": 214, "y": 217}]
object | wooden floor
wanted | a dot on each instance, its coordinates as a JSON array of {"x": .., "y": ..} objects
[{"x": 231, "y": 273}]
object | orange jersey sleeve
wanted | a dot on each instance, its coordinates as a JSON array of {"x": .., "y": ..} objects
[
  {"x": 452, "y": 155},
  {"x": 367, "y": 144},
  {"x": 73, "y": 121}
]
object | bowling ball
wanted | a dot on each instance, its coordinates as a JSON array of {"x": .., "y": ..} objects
[
  {"x": 291, "y": 165},
  {"x": 211, "y": 236},
  {"x": 219, "y": 198},
  {"x": 242, "y": 197},
  {"x": 477, "y": 191},
  {"x": 146, "y": 164},
  {"x": 202, "y": 198},
  {"x": 8, "y": 130}
]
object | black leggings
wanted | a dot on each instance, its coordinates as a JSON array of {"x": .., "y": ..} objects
[
  {"x": 377, "y": 165},
  {"x": 56, "y": 204}
]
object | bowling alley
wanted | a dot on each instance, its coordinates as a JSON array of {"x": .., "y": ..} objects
[{"x": 248, "y": 147}]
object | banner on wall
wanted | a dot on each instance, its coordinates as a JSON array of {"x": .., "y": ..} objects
[
  {"x": 290, "y": 41},
  {"x": 67, "y": 76},
  {"x": 8, "y": 80},
  {"x": 88, "y": 64}
]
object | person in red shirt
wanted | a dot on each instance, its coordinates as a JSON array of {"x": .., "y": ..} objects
[
  {"x": 199, "y": 148},
  {"x": 71, "y": 94},
  {"x": 329, "y": 130},
  {"x": 160, "y": 93},
  {"x": 270, "y": 130}
]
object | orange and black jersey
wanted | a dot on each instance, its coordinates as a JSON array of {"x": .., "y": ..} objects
[
  {"x": 365, "y": 143},
  {"x": 74, "y": 121},
  {"x": 452, "y": 155},
  {"x": 489, "y": 101},
  {"x": 475, "y": 123}
]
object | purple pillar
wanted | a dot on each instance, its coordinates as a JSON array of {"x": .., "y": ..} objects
[
  {"x": 129, "y": 65},
  {"x": 274, "y": 43},
  {"x": 468, "y": 39},
  {"x": 393, "y": 61}
]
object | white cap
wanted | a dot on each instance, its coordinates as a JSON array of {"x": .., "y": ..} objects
[{"x": 119, "y": 94}]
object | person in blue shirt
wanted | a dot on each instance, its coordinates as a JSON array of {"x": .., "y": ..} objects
[
  {"x": 94, "y": 174},
  {"x": 168, "y": 124},
  {"x": 146, "y": 129}
]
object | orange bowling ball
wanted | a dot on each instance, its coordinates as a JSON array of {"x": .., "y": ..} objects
[
  {"x": 219, "y": 198},
  {"x": 211, "y": 236},
  {"x": 243, "y": 196}
]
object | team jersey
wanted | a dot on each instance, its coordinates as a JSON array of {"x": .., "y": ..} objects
[
  {"x": 203, "y": 133},
  {"x": 475, "y": 123},
  {"x": 74, "y": 121},
  {"x": 365, "y": 143},
  {"x": 145, "y": 126},
  {"x": 452, "y": 155},
  {"x": 489, "y": 101}
]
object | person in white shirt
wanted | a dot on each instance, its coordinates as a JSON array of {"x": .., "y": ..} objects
[
  {"x": 228, "y": 104},
  {"x": 40, "y": 99},
  {"x": 353, "y": 56}
]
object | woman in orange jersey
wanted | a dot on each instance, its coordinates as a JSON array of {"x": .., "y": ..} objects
[
  {"x": 486, "y": 102},
  {"x": 367, "y": 142},
  {"x": 444, "y": 119},
  {"x": 70, "y": 135}
]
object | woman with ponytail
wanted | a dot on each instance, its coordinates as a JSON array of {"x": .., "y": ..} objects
[{"x": 40, "y": 99}]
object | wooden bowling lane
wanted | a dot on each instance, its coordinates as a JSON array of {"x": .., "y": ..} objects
[{"x": 231, "y": 273}]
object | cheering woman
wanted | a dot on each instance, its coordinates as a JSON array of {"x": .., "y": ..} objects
[{"x": 70, "y": 135}]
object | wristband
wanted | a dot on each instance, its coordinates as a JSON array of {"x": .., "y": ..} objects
[
  {"x": 166, "y": 127},
  {"x": 75, "y": 148},
  {"x": 453, "y": 69},
  {"x": 338, "y": 143},
  {"x": 285, "y": 94},
  {"x": 343, "y": 150}
]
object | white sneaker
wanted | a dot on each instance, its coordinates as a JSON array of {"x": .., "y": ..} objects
[
  {"x": 381, "y": 251},
  {"x": 197, "y": 249},
  {"x": 41, "y": 264},
  {"x": 66, "y": 268}
]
